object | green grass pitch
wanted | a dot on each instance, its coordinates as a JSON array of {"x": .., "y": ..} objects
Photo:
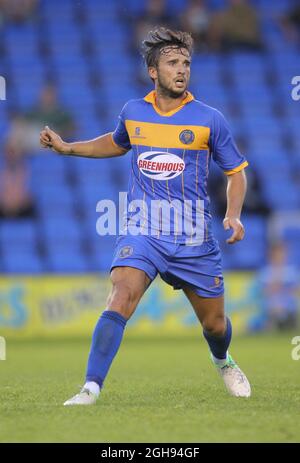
[{"x": 158, "y": 390}]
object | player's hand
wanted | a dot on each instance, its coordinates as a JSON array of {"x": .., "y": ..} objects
[
  {"x": 238, "y": 229},
  {"x": 50, "y": 139}
]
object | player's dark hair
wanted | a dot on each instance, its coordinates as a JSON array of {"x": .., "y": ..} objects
[{"x": 161, "y": 38}]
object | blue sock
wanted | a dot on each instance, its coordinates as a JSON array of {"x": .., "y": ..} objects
[
  {"x": 219, "y": 345},
  {"x": 106, "y": 340}
]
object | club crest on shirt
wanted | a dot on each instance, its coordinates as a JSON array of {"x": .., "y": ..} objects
[
  {"x": 126, "y": 251},
  {"x": 187, "y": 137}
]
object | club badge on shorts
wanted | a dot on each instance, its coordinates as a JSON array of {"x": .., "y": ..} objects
[{"x": 126, "y": 251}]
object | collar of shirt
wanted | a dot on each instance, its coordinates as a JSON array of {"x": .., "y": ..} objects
[{"x": 151, "y": 98}]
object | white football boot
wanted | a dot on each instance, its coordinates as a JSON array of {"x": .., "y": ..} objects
[
  {"x": 235, "y": 380},
  {"x": 84, "y": 397}
]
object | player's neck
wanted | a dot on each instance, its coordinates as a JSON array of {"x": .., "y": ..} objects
[{"x": 166, "y": 103}]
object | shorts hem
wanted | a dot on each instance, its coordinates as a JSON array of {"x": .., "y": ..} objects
[
  {"x": 202, "y": 292},
  {"x": 208, "y": 295}
]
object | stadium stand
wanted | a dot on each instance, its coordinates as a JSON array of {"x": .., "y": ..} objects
[{"x": 86, "y": 51}]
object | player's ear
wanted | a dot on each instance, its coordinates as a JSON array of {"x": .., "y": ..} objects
[{"x": 152, "y": 72}]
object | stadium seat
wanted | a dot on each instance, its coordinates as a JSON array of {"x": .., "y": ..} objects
[
  {"x": 17, "y": 235},
  {"x": 68, "y": 261},
  {"x": 22, "y": 261},
  {"x": 103, "y": 249}
]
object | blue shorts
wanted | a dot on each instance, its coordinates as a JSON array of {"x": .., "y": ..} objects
[{"x": 179, "y": 265}]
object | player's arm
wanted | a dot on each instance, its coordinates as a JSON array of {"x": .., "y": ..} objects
[
  {"x": 100, "y": 147},
  {"x": 226, "y": 154},
  {"x": 236, "y": 191}
]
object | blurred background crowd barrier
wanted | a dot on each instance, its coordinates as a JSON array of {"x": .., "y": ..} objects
[{"x": 72, "y": 65}]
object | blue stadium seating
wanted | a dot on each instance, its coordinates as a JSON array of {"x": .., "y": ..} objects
[
  {"x": 252, "y": 89},
  {"x": 22, "y": 262},
  {"x": 16, "y": 234},
  {"x": 68, "y": 261}
]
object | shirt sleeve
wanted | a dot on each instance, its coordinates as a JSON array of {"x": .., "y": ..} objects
[
  {"x": 223, "y": 147},
  {"x": 120, "y": 135}
]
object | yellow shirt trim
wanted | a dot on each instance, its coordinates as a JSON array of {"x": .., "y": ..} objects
[
  {"x": 236, "y": 169},
  {"x": 151, "y": 98}
]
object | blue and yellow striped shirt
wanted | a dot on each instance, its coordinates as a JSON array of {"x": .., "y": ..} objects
[{"x": 171, "y": 153}]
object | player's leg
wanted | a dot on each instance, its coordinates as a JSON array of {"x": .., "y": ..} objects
[
  {"x": 217, "y": 331},
  {"x": 216, "y": 327},
  {"x": 128, "y": 286}
]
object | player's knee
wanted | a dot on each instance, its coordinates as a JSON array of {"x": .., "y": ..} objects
[{"x": 215, "y": 326}]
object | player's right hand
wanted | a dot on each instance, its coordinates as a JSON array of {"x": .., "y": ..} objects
[{"x": 50, "y": 139}]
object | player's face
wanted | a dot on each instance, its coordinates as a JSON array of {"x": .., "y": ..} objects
[{"x": 172, "y": 73}]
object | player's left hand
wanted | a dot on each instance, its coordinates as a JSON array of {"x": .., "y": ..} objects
[{"x": 238, "y": 229}]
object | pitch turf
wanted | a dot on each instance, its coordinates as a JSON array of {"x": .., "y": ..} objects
[{"x": 158, "y": 390}]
